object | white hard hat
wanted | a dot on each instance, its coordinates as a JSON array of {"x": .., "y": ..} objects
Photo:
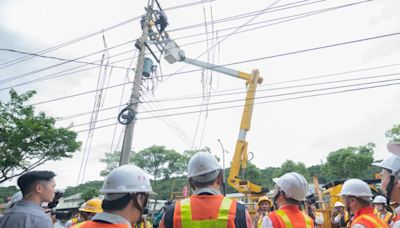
[
  {"x": 391, "y": 163},
  {"x": 339, "y": 204},
  {"x": 203, "y": 163},
  {"x": 294, "y": 185},
  {"x": 394, "y": 148},
  {"x": 126, "y": 179},
  {"x": 16, "y": 197},
  {"x": 379, "y": 199},
  {"x": 357, "y": 188}
]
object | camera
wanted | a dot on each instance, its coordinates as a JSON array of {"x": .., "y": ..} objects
[
  {"x": 61, "y": 215},
  {"x": 58, "y": 195},
  {"x": 311, "y": 199}
]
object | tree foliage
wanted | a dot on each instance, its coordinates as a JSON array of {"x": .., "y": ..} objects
[
  {"x": 394, "y": 133},
  {"x": 27, "y": 140},
  {"x": 350, "y": 162},
  {"x": 6, "y": 192},
  {"x": 69, "y": 191},
  {"x": 90, "y": 193}
]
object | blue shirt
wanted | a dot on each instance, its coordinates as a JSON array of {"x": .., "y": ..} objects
[{"x": 26, "y": 214}]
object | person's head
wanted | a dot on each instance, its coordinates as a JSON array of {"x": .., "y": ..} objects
[
  {"x": 291, "y": 188},
  {"x": 126, "y": 191},
  {"x": 90, "y": 208},
  {"x": 38, "y": 186},
  {"x": 339, "y": 206},
  {"x": 204, "y": 171},
  {"x": 379, "y": 203},
  {"x": 356, "y": 194},
  {"x": 390, "y": 177},
  {"x": 264, "y": 204}
]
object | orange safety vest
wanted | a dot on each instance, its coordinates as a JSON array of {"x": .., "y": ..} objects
[
  {"x": 366, "y": 217},
  {"x": 94, "y": 224},
  {"x": 289, "y": 216},
  {"x": 397, "y": 218},
  {"x": 199, "y": 211}
]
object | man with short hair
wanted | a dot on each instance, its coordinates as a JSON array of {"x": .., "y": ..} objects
[
  {"x": 37, "y": 187},
  {"x": 126, "y": 191},
  {"x": 357, "y": 197},
  {"x": 289, "y": 191},
  {"x": 207, "y": 207}
]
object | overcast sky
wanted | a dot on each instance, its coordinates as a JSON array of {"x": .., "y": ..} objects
[{"x": 304, "y": 130}]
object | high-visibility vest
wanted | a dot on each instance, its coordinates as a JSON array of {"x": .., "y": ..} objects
[
  {"x": 367, "y": 218},
  {"x": 205, "y": 211},
  {"x": 290, "y": 216},
  {"x": 94, "y": 224},
  {"x": 397, "y": 218},
  {"x": 387, "y": 218}
]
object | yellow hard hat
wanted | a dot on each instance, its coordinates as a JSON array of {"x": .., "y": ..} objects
[
  {"x": 264, "y": 198},
  {"x": 92, "y": 206}
]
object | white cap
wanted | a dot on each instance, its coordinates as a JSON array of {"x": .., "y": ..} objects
[
  {"x": 394, "y": 148},
  {"x": 391, "y": 163},
  {"x": 203, "y": 167},
  {"x": 16, "y": 197},
  {"x": 294, "y": 185},
  {"x": 357, "y": 188},
  {"x": 126, "y": 179},
  {"x": 379, "y": 199},
  {"x": 339, "y": 204}
]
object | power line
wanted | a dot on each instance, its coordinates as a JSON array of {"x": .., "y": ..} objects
[
  {"x": 307, "y": 14},
  {"x": 84, "y": 37},
  {"x": 280, "y": 55},
  {"x": 57, "y": 58},
  {"x": 279, "y": 21},
  {"x": 93, "y": 63},
  {"x": 248, "y": 14},
  {"x": 261, "y": 97},
  {"x": 265, "y": 102},
  {"x": 12, "y": 78},
  {"x": 242, "y": 90},
  {"x": 65, "y": 72}
]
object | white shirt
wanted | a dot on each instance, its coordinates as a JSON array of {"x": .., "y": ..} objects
[
  {"x": 266, "y": 223},
  {"x": 396, "y": 224}
]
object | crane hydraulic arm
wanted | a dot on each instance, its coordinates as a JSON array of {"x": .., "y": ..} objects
[{"x": 174, "y": 54}]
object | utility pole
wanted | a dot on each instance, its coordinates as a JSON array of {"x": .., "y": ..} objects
[{"x": 134, "y": 99}]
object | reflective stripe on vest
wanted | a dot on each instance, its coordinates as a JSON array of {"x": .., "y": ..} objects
[
  {"x": 220, "y": 222},
  {"x": 288, "y": 223},
  {"x": 370, "y": 219}
]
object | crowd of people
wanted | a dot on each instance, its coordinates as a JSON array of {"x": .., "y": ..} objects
[{"x": 127, "y": 189}]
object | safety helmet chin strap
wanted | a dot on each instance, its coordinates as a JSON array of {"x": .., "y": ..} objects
[
  {"x": 137, "y": 205},
  {"x": 389, "y": 189}
]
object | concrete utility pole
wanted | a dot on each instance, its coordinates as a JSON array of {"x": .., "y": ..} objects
[{"x": 134, "y": 99}]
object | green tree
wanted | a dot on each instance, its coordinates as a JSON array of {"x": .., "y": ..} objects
[
  {"x": 6, "y": 192},
  {"x": 69, "y": 191},
  {"x": 112, "y": 161},
  {"x": 27, "y": 140},
  {"x": 394, "y": 133},
  {"x": 90, "y": 193},
  {"x": 291, "y": 166},
  {"x": 318, "y": 170},
  {"x": 350, "y": 162},
  {"x": 157, "y": 161}
]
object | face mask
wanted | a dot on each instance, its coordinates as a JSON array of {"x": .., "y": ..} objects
[{"x": 379, "y": 207}]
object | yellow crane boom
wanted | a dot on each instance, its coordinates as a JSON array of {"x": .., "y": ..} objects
[{"x": 239, "y": 162}]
